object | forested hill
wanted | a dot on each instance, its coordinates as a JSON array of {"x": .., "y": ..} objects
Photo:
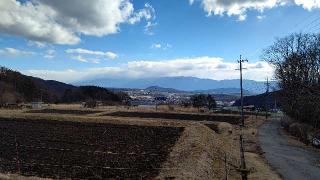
[
  {"x": 261, "y": 100},
  {"x": 56, "y": 87},
  {"x": 16, "y": 87},
  {"x": 85, "y": 93}
]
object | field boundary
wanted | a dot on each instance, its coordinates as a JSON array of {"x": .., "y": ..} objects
[{"x": 195, "y": 156}]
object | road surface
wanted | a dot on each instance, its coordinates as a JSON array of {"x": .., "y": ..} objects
[{"x": 293, "y": 163}]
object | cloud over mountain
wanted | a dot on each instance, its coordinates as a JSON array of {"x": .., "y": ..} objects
[{"x": 201, "y": 67}]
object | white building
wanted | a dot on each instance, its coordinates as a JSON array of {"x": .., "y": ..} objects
[{"x": 36, "y": 105}]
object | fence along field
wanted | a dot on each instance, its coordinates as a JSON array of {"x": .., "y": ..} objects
[{"x": 54, "y": 149}]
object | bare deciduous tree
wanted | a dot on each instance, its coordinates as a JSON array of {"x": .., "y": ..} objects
[
  {"x": 203, "y": 100},
  {"x": 296, "y": 59}
]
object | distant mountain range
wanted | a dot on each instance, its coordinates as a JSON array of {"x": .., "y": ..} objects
[
  {"x": 15, "y": 86},
  {"x": 183, "y": 84}
]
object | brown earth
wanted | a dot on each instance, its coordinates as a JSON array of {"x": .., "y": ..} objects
[
  {"x": 199, "y": 152},
  {"x": 53, "y": 149}
]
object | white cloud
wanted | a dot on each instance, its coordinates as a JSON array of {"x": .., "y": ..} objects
[
  {"x": 34, "y": 22},
  {"x": 147, "y": 13},
  {"x": 85, "y": 59},
  {"x": 79, "y": 58},
  {"x": 15, "y": 52},
  {"x": 163, "y": 46},
  {"x": 167, "y": 46},
  {"x": 62, "y": 21},
  {"x": 239, "y": 8},
  {"x": 242, "y": 17},
  {"x": 109, "y": 55},
  {"x": 95, "y": 61},
  {"x": 50, "y": 54},
  {"x": 37, "y": 44},
  {"x": 156, "y": 46},
  {"x": 148, "y": 28},
  {"x": 71, "y": 75},
  {"x": 308, "y": 4},
  {"x": 261, "y": 17},
  {"x": 202, "y": 67}
]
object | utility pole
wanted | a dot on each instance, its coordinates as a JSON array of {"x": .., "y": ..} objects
[
  {"x": 243, "y": 168},
  {"x": 267, "y": 95},
  {"x": 241, "y": 88}
]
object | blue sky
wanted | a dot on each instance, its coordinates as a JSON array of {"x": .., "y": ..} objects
[{"x": 122, "y": 38}]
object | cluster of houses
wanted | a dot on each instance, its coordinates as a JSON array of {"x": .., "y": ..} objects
[
  {"x": 13, "y": 105},
  {"x": 144, "y": 97}
]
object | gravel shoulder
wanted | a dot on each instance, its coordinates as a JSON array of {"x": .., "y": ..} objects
[{"x": 292, "y": 162}]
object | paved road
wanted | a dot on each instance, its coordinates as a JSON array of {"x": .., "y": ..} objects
[{"x": 293, "y": 163}]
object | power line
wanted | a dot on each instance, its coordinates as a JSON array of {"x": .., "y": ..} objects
[
  {"x": 311, "y": 24},
  {"x": 317, "y": 29},
  {"x": 302, "y": 25},
  {"x": 303, "y": 21},
  {"x": 314, "y": 27}
]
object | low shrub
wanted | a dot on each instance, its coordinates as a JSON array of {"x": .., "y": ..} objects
[
  {"x": 171, "y": 108},
  {"x": 302, "y": 131},
  {"x": 286, "y": 122},
  {"x": 222, "y": 127}
]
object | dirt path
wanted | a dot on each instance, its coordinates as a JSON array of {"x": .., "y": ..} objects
[{"x": 293, "y": 163}]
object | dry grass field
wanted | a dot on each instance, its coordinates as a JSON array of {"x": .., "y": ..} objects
[{"x": 187, "y": 145}]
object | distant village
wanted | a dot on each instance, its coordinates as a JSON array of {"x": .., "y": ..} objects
[{"x": 151, "y": 97}]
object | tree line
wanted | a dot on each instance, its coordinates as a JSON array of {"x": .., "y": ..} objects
[
  {"x": 296, "y": 59},
  {"x": 203, "y": 101},
  {"x": 93, "y": 93},
  {"x": 18, "y": 88},
  {"x": 14, "y": 87}
]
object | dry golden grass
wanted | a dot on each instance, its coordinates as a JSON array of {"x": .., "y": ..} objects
[{"x": 196, "y": 155}]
